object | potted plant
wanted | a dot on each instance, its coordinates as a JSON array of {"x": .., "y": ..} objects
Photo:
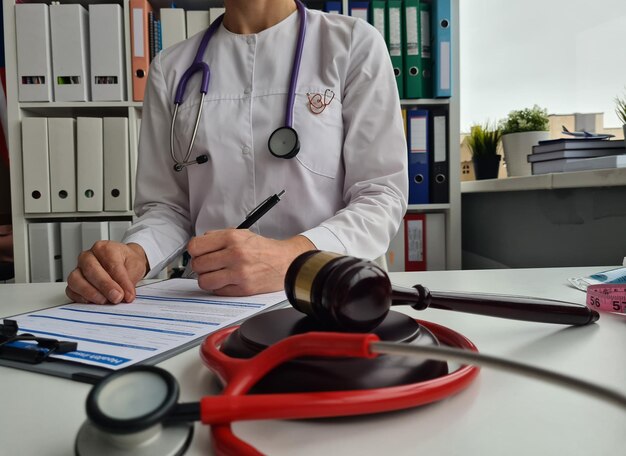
[
  {"x": 620, "y": 110},
  {"x": 521, "y": 130},
  {"x": 483, "y": 142}
]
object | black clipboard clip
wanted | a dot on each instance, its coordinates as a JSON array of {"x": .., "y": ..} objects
[{"x": 34, "y": 349}]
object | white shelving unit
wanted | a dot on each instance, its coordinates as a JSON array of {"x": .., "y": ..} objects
[
  {"x": 452, "y": 210},
  {"x": 19, "y": 110}
]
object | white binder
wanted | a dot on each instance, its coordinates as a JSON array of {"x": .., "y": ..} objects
[
  {"x": 69, "y": 26},
  {"x": 71, "y": 245},
  {"x": 435, "y": 241},
  {"x": 34, "y": 67},
  {"x": 117, "y": 229},
  {"x": 106, "y": 45},
  {"x": 173, "y": 29},
  {"x": 197, "y": 21},
  {"x": 116, "y": 164},
  {"x": 62, "y": 153},
  {"x": 35, "y": 164},
  {"x": 44, "y": 242},
  {"x": 89, "y": 164},
  {"x": 93, "y": 232}
]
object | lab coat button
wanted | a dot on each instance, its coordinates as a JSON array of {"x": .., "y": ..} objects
[
  {"x": 245, "y": 149},
  {"x": 250, "y": 40},
  {"x": 247, "y": 90}
]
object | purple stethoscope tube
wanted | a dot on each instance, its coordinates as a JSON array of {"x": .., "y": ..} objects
[{"x": 283, "y": 142}]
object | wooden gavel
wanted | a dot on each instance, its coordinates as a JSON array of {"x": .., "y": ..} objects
[{"x": 353, "y": 294}]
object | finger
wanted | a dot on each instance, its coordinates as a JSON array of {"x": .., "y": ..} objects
[
  {"x": 80, "y": 290},
  {"x": 234, "y": 290},
  {"x": 210, "y": 241},
  {"x": 91, "y": 268},
  {"x": 113, "y": 261},
  {"x": 216, "y": 280},
  {"x": 75, "y": 297},
  {"x": 213, "y": 261}
]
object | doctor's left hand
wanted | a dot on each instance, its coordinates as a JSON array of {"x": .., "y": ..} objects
[{"x": 235, "y": 262}]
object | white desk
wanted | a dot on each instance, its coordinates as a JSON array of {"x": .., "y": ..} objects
[{"x": 499, "y": 414}]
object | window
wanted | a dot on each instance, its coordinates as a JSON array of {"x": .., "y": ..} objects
[{"x": 567, "y": 56}]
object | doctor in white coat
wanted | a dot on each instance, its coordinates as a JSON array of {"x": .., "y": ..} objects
[{"x": 345, "y": 190}]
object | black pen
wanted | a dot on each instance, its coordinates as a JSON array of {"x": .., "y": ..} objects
[{"x": 260, "y": 211}]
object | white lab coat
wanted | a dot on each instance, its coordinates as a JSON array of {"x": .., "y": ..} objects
[{"x": 347, "y": 188}]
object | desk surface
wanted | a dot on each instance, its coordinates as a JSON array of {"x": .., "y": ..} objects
[{"x": 498, "y": 414}]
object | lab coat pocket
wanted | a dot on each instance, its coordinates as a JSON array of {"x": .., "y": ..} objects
[{"x": 320, "y": 133}]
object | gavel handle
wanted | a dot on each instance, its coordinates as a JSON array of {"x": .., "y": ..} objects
[{"x": 497, "y": 305}]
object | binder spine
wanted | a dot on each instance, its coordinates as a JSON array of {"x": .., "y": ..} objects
[
  {"x": 395, "y": 44},
  {"x": 140, "y": 46},
  {"x": 415, "y": 242},
  {"x": 418, "y": 158},
  {"x": 440, "y": 153},
  {"x": 412, "y": 47},
  {"x": 34, "y": 54},
  {"x": 442, "y": 52}
]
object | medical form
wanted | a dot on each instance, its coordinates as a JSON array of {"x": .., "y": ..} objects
[{"x": 163, "y": 317}]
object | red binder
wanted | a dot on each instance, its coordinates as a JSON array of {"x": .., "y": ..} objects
[{"x": 415, "y": 242}]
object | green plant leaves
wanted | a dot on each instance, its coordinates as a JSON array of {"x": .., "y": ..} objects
[
  {"x": 483, "y": 140},
  {"x": 528, "y": 119}
]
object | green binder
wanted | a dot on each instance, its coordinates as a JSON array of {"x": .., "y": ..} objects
[
  {"x": 426, "y": 37},
  {"x": 378, "y": 18},
  {"x": 413, "y": 87},
  {"x": 395, "y": 43}
]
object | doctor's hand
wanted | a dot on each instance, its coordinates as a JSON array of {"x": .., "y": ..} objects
[
  {"x": 236, "y": 262},
  {"x": 107, "y": 273}
]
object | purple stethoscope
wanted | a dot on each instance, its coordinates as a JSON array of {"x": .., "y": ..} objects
[{"x": 283, "y": 142}]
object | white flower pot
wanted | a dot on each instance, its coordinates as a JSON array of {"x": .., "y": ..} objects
[{"x": 517, "y": 147}]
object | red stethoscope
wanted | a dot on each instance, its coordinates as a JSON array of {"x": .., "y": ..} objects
[{"x": 136, "y": 410}]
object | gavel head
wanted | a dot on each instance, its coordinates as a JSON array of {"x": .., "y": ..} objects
[{"x": 343, "y": 292}]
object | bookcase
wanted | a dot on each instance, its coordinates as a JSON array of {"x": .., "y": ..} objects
[{"x": 17, "y": 111}]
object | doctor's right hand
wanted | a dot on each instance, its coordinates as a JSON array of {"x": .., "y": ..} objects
[{"x": 107, "y": 273}]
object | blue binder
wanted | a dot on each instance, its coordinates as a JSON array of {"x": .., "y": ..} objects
[
  {"x": 442, "y": 48},
  {"x": 359, "y": 8},
  {"x": 334, "y": 7},
  {"x": 418, "y": 149}
]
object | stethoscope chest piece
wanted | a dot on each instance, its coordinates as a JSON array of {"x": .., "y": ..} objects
[
  {"x": 167, "y": 440},
  {"x": 128, "y": 413},
  {"x": 284, "y": 143}
]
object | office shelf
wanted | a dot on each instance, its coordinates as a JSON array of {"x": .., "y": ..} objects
[{"x": 16, "y": 111}]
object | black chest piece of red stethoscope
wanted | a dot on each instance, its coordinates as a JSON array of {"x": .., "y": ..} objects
[{"x": 318, "y": 359}]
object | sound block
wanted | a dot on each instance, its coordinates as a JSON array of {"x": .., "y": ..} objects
[{"x": 333, "y": 374}]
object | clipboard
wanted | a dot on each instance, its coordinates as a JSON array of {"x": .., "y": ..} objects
[{"x": 87, "y": 373}]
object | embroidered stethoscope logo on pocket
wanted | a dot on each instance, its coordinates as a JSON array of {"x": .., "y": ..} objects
[{"x": 318, "y": 102}]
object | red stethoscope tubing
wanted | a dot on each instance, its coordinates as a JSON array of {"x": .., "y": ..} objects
[{"x": 239, "y": 375}]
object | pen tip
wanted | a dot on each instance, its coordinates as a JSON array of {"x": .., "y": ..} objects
[{"x": 281, "y": 193}]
